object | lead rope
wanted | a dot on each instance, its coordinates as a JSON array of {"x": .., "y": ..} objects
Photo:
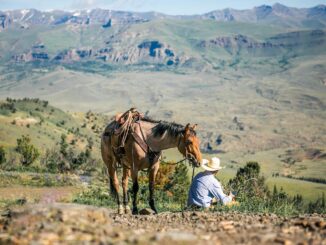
[
  {"x": 132, "y": 157},
  {"x": 193, "y": 167},
  {"x": 193, "y": 173},
  {"x": 182, "y": 160}
]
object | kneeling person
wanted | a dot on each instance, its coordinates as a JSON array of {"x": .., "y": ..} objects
[{"x": 205, "y": 186}]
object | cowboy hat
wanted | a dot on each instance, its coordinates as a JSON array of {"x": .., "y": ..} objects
[{"x": 212, "y": 165}]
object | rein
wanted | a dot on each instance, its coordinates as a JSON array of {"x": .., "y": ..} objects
[{"x": 182, "y": 160}]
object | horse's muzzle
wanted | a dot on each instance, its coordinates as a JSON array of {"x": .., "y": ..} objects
[{"x": 193, "y": 160}]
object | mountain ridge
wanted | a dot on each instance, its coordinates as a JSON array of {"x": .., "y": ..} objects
[{"x": 276, "y": 14}]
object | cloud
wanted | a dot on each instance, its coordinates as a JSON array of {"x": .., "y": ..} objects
[
  {"x": 124, "y": 4},
  {"x": 109, "y": 4},
  {"x": 85, "y": 4}
]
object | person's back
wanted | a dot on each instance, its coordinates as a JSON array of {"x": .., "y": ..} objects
[{"x": 205, "y": 187}]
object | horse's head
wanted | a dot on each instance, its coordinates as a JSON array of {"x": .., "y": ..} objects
[{"x": 189, "y": 145}]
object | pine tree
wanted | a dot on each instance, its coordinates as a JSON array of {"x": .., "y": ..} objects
[{"x": 179, "y": 184}]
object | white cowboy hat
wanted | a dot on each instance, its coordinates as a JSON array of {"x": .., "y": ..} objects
[{"x": 212, "y": 165}]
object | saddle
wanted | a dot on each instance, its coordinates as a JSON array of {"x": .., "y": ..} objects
[{"x": 121, "y": 128}]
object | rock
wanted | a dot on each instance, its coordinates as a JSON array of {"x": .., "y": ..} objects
[
  {"x": 108, "y": 24},
  {"x": 175, "y": 236},
  {"x": 81, "y": 224},
  {"x": 226, "y": 225},
  {"x": 5, "y": 21},
  {"x": 283, "y": 241},
  {"x": 321, "y": 224},
  {"x": 146, "y": 211},
  {"x": 268, "y": 237}
]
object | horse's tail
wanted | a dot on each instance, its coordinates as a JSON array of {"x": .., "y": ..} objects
[{"x": 108, "y": 160}]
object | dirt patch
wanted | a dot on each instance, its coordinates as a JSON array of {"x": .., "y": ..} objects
[
  {"x": 71, "y": 223},
  {"x": 299, "y": 155},
  {"x": 39, "y": 194},
  {"x": 25, "y": 121}
]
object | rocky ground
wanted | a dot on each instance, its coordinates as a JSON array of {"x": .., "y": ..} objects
[{"x": 78, "y": 224}]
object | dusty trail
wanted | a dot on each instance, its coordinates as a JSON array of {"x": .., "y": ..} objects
[{"x": 78, "y": 224}]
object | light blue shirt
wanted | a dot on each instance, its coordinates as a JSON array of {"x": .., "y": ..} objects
[{"x": 203, "y": 188}]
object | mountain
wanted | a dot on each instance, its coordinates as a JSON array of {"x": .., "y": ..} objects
[
  {"x": 277, "y": 14},
  {"x": 129, "y": 38}
]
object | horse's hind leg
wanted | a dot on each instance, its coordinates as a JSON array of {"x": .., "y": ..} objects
[
  {"x": 135, "y": 188},
  {"x": 109, "y": 162},
  {"x": 114, "y": 186},
  {"x": 152, "y": 175},
  {"x": 125, "y": 176}
]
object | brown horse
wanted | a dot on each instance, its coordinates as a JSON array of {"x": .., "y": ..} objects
[{"x": 144, "y": 141}]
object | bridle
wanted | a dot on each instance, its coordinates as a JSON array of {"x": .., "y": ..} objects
[
  {"x": 188, "y": 156},
  {"x": 185, "y": 158}
]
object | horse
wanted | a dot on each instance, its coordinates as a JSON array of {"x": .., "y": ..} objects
[{"x": 145, "y": 139}]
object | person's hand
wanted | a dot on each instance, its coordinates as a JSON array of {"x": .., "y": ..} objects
[
  {"x": 214, "y": 200},
  {"x": 232, "y": 196}
]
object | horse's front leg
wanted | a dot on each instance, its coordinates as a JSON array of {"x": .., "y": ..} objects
[
  {"x": 125, "y": 176},
  {"x": 152, "y": 175}
]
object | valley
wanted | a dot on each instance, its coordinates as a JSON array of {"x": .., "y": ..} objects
[{"x": 253, "y": 80}]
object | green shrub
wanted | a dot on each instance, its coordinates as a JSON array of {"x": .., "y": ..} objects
[
  {"x": 63, "y": 145},
  {"x": 178, "y": 184},
  {"x": 254, "y": 196},
  {"x": 318, "y": 206},
  {"x": 248, "y": 182},
  {"x": 51, "y": 160},
  {"x": 2, "y": 155},
  {"x": 29, "y": 153},
  {"x": 97, "y": 195}
]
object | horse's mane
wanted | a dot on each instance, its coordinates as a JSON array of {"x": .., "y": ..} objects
[{"x": 171, "y": 128}]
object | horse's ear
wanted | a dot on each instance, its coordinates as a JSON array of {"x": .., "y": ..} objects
[
  {"x": 195, "y": 126},
  {"x": 187, "y": 128}
]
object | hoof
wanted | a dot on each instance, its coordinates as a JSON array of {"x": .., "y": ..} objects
[
  {"x": 135, "y": 211},
  {"x": 127, "y": 210},
  {"x": 120, "y": 210}
]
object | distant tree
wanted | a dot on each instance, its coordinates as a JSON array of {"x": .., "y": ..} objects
[
  {"x": 2, "y": 155},
  {"x": 29, "y": 153},
  {"x": 318, "y": 206},
  {"x": 248, "y": 182}
]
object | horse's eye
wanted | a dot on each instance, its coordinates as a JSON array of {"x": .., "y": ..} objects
[{"x": 188, "y": 142}]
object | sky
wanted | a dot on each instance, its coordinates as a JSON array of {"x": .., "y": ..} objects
[{"x": 163, "y": 6}]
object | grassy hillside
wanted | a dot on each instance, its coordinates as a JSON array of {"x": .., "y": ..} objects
[
  {"x": 45, "y": 124},
  {"x": 260, "y": 89}
]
